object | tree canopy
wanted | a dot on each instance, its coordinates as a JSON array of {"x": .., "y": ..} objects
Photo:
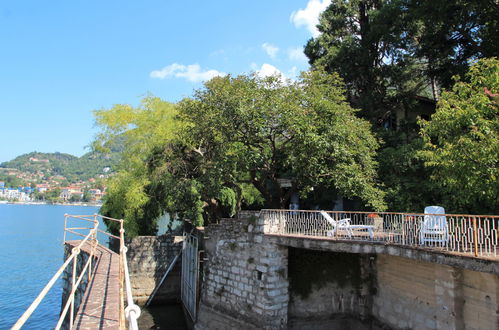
[
  {"x": 462, "y": 141},
  {"x": 139, "y": 130},
  {"x": 236, "y": 141},
  {"x": 390, "y": 53},
  {"x": 389, "y": 50}
]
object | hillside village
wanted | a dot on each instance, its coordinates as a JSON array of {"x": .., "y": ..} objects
[{"x": 54, "y": 178}]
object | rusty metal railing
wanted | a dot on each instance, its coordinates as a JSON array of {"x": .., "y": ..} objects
[
  {"x": 131, "y": 312},
  {"x": 474, "y": 235}
]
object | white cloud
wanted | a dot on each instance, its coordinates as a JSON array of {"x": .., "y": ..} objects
[
  {"x": 267, "y": 70},
  {"x": 190, "y": 72},
  {"x": 309, "y": 17},
  {"x": 296, "y": 54},
  {"x": 270, "y": 49}
]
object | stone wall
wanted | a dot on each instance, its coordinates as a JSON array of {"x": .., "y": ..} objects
[
  {"x": 245, "y": 279},
  {"x": 252, "y": 280},
  {"x": 148, "y": 258}
]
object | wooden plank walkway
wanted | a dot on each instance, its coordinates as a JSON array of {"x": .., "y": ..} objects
[{"x": 100, "y": 306}]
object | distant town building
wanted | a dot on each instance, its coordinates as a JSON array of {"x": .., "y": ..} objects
[{"x": 42, "y": 187}]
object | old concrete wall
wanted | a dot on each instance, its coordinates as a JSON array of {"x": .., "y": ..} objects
[
  {"x": 324, "y": 285},
  {"x": 422, "y": 295},
  {"x": 245, "y": 281},
  {"x": 148, "y": 258},
  {"x": 481, "y": 300}
]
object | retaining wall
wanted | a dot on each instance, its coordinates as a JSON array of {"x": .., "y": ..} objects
[
  {"x": 245, "y": 279},
  {"x": 256, "y": 281},
  {"x": 148, "y": 258}
]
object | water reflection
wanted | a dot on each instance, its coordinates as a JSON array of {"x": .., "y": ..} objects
[{"x": 169, "y": 317}]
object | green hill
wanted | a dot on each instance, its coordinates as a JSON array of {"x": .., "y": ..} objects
[{"x": 73, "y": 168}]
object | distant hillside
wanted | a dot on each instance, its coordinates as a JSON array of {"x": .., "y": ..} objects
[{"x": 90, "y": 165}]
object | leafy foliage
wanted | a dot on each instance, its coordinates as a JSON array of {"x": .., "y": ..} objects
[
  {"x": 246, "y": 132},
  {"x": 387, "y": 51},
  {"x": 139, "y": 130},
  {"x": 391, "y": 52},
  {"x": 232, "y": 144},
  {"x": 462, "y": 141}
]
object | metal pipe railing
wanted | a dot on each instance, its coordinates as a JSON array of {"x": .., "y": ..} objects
[
  {"x": 74, "y": 255},
  {"x": 476, "y": 235},
  {"x": 132, "y": 311}
]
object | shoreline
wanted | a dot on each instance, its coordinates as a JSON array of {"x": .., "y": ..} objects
[{"x": 48, "y": 203}]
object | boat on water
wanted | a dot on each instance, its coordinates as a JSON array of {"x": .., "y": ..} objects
[{"x": 3, "y": 202}]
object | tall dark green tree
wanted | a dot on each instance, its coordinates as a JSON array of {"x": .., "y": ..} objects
[
  {"x": 390, "y": 52},
  {"x": 387, "y": 51},
  {"x": 362, "y": 41}
]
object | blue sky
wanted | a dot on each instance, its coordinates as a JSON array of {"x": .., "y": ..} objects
[{"x": 60, "y": 60}]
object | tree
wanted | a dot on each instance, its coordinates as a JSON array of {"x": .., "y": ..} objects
[
  {"x": 446, "y": 35},
  {"x": 362, "y": 41},
  {"x": 86, "y": 197},
  {"x": 53, "y": 195},
  {"x": 390, "y": 52},
  {"x": 234, "y": 143},
  {"x": 245, "y": 134},
  {"x": 387, "y": 51},
  {"x": 462, "y": 141},
  {"x": 138, "y": 130}
]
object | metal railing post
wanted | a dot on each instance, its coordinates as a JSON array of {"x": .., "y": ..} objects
[
  {"x": 73, "y": 289},
  {"x": 121, "y": 274},
  {"x": 475, "y": 236},
  {"x": 65, "y": 226}
]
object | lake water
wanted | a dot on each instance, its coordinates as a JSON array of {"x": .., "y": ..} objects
[{"x": 31, "y": 251}]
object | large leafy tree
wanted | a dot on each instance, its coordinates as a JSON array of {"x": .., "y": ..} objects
[
  {"x": 445, "y": 35},
  {"x": 139, "y": 130},
  {"x": 238, "y": 141},
  {"x": 244, "y": 136},
  {"x": 387, "y": 51},
  {"x": 363, "y": 41},
  {"x": 462, "y": 141},
  {"x": 390, "y": 52}
]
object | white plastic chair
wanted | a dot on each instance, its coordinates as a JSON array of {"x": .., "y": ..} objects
[
  {"x": 344, "y": 224},
  {"x": 434, "y": 228}
]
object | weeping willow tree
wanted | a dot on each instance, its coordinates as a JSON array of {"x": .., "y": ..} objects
[{"x": 232, "y": 144}]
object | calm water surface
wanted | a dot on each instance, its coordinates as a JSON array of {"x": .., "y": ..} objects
[{"x": 31, "y": 251}]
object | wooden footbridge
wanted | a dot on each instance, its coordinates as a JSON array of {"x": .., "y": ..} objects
[{"x": 97, "y": 291}]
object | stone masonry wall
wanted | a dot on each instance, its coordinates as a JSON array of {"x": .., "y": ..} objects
[
  {"x": 148, "y": 258},
  {"x": 421, "y": 295},
  {"x": 245, "y": 281},
  {"x": 248, "y": 283}
]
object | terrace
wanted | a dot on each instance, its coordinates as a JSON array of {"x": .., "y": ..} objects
[{"x": 459, "y": 235}]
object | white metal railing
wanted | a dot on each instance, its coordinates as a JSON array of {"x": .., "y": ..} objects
[
  {"x": 475, "y": 235},
  {"x": 131, "y": 312}
]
